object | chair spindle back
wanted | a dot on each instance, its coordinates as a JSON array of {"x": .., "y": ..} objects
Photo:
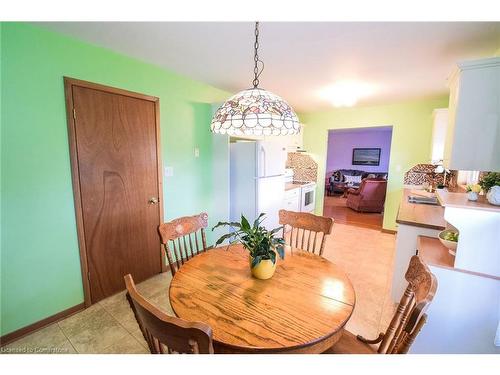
[
  {"x": 183, "y": 238},
  {"x": 410, "y": 316},
  {"x": 310, "y": 230},
  {"x": 167, "y": 334}
]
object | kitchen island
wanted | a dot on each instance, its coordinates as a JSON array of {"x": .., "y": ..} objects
[{"x": 464, "y": 315}]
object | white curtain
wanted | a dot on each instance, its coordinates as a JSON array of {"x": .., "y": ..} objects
[{"x": 468, "y": 177}]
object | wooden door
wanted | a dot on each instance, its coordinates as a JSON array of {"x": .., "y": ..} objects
[{"x": 116, "y": 175}]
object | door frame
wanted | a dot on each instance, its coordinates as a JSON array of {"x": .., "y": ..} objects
[
  {"x": 69, "y": 83},
  {"x": 357, "y": 128}
]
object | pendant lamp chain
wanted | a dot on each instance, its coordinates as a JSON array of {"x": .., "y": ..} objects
[
  {"x": 255, "y": 111},
  {"x": 256, "y": 58}
]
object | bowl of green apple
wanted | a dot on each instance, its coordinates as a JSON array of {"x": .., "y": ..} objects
[{"x": 449, "y": 238}]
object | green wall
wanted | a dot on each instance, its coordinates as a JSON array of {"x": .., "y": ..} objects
[
  {"x": 411, "y": 141},
  {"x": 40, "y": 264}
]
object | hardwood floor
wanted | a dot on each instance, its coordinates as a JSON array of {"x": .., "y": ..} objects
[
  {"x": 109, "y": 326},
  {"x": 335, "y": 207}
]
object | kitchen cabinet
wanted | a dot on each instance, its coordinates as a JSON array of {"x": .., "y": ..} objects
[
  {"x": 473, "y": 134},
  {"x": 439, "y": 127},
  {"x": 292, "y": 143},
  {"x": 292, "y": 200},
  {"x": 473, "y": 330},
  {"x": 295, "y": 142}
]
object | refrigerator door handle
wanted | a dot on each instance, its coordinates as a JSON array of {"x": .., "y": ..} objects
[{"x": 263, "y": 160}]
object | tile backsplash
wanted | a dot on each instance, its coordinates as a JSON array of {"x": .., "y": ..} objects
[
  {"x": 304, "y": 167},
  {"x": 422, "y": 174}
]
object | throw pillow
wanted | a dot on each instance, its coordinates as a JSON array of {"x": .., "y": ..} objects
[
  {"x": 352, "y": 179},
  {"x": 337, "y": 176}
]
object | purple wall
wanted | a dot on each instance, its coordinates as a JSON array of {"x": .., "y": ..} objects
[{"x": 341, "y": 143}]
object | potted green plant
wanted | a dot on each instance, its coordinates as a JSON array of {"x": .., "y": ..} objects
[
  {"x": 263, "y": 245},
  {"x": 491, "y": 186},
  {"x": 473, "y": 191}
]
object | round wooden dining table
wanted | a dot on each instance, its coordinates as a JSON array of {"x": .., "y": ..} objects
[{"x": 303, "y": 308}]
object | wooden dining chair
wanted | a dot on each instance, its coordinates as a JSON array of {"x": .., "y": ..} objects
[
  {"x": 407, "y": 321},
  {"x": 310, "y": 230},
  {"x": 183, "y": 238},
  {"x": 167, "y": 334}
]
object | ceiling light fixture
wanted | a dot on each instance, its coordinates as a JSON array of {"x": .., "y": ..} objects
[
  {"x": 255, "y": 111},
  {"x": 346, "y": 93}
]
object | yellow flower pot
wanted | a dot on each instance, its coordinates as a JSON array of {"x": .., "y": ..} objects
[{"x": 264, "y": 270}]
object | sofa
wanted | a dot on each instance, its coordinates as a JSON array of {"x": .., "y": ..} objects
[
  {"x": 335, "y": 180},
  {"x": 369, "y": 197}
]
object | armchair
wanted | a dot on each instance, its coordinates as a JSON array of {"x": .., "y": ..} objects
[{"x": 369, "y": 197}]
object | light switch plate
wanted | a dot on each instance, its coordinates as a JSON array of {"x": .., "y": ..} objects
[
  {"x": 196, "y": 152},
  {"x": 169, "y": 171}
]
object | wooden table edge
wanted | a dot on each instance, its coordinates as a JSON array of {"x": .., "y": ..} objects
[{"x": 309, "y": 348}]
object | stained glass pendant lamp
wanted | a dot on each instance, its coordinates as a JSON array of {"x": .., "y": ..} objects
[{"x": 255, "y": 111}]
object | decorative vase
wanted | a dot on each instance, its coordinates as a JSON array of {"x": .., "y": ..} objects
[
  {"x": 264, "y": 270},
  {"x": 472, "y": 196},
  {"x": 493, "y": 195}
]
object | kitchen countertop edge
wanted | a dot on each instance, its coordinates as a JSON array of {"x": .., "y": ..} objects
[{"x": 425, "y": 213}]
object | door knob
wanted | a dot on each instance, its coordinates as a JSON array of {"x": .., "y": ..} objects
[{"x": 153, "y": 200}]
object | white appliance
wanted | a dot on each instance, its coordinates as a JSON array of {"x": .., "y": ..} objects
[
  {"x": 257, "y": 181},
  {"x": 308, "y": 197}
]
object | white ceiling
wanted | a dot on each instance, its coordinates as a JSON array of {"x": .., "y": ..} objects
[{"x": 403, "y": 60}]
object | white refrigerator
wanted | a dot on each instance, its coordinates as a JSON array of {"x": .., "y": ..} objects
[{"x": 257, "y": 180}]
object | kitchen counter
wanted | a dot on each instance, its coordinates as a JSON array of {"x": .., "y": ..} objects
[
  {"x": 291, "y": 185},
  {"x": 478, "y": 223},
  {"x": 459, "y": 200},
  {"x": 413, "y": 220},
  {"x": 434, "y": 253},
  {"x": 420, "y": 215}
]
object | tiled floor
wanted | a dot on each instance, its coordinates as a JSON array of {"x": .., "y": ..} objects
[
  {"x": 109, "y": 326},
  {"x": 336, "y": 208},
  {"x": 367, "y": 256}
]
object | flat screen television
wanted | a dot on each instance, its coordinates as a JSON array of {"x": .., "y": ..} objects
[{"x": 366, "y": 156}]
